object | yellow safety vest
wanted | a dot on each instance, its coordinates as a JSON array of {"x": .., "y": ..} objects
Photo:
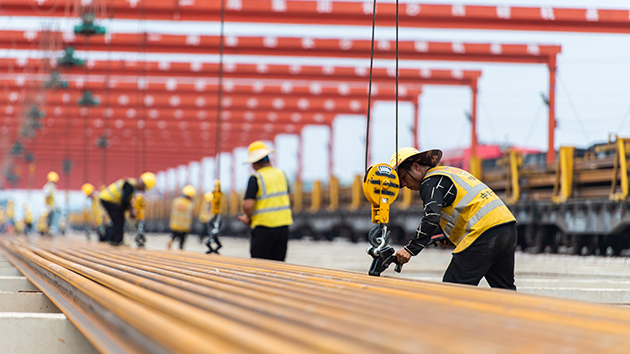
[
  {"x": 205, "y": 213},
  {"x": 475, "y": 209},
  {"x": 114, "y": 192},
  {"x": 49, "y": 194},
  {"x": 10, "y": 211},
  {"x": 272, "y": 207},
  {"x": 140, "y": 205},
  {"x": 97, "y": 211},
  {"x": 28, "y": 216},
  {"x": 181, "y": 215}
]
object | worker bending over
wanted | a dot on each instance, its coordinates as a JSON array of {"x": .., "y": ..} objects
[
  {"x": 116, "y": 199},
  {"x": 267, "y": 207},
  {"x": 50, "y": 191},
  {"x": 182, "y": 216},
  {"x": 471, "y": 215}
]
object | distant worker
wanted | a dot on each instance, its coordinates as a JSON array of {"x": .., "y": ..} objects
[
  {"x": 50, "y": 199},
  {"x": 182, "y": 216},
  {"x": 210, "y": 217},
  {"x": 205, "y": 215},
  {"x": 471, "y": 215},
  {"x": 28, "y": 220},
  {"x": 95, "y": 212},
  {"x": 10, "y": 216},
  {"x": 140, "y": 205},
  {"x": 266, "y": 206},
  {"x": 116, "y": 199},
  {"x": 3, "y": 220}
]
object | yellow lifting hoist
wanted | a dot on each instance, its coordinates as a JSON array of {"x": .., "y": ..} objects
[
  {"x": 380, "y": 182},
  {"x": 381, "y": 187}
]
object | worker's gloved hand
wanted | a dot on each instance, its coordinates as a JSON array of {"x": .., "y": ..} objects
[
  {"x": 442, "y": 241},
  {"x": 133, "y": 213}
]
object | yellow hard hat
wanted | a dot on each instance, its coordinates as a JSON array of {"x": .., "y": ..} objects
[
  {"x": 148, "y": 179},
  {"x": 429, "y": 157},
  {"x": 257, "y": 151},
  {"x": 87, "y": 189},
  {"x": 189, "y": 191},
  {"x": 53, "y": 176},
  {"x": 208, "y": 197}
]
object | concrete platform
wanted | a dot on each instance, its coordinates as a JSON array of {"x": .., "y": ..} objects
[
  {"x": 16, "y": 284},
  {"x": 35, "y": 302},
  {"x": 41, "y": 333},
  {"x": 31, "y": 323}
]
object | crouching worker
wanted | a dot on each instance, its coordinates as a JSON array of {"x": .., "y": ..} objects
[
  {"x": 116, "y": 199},
  {"x": 471, "y": 215},
  {"x": 182, "y": 216}
]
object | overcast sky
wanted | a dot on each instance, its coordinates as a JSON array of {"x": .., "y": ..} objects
[{"x": 593, "y": 92}]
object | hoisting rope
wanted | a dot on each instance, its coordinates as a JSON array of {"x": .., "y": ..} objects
[
  {"x": 107, "y": 93},
  {"x": 217, "y": 146},
  {"x": 367, "y": 134}
]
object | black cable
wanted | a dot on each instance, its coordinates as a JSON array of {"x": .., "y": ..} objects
[
  {"x": 217, "y": 146},
  {"x": 396, "y": 151},
  {"x": 367, "y": 133},
  {"x": 107, "y": 95}
]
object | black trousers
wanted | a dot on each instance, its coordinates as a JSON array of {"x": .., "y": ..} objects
[
  {"x": 490, "y": 256},
  {"x": 179, "y": 235},
  {"x": 116, "y": 229},
  {"x": 269, "y": 242}
]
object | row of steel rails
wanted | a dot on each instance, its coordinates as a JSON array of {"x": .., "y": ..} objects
[
  {"x": 131, "y": 301},
  {"x": 600, "y": 172}
]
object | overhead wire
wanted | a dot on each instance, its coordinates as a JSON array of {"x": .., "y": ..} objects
[
  {"x": 396, "y": 151},
  {"x": 367, "y": 133},
  {"x": 217, "y": 148},
  {"x": 105, "y": 136}
]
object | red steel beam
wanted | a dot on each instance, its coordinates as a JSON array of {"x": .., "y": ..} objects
[
  {"x": 181, "y": 72},
  {"x": 293, "y": 47},
  {"x": 417, "y": 15}
]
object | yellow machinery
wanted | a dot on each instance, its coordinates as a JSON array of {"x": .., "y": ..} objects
[{"x": 381, "y": 187}]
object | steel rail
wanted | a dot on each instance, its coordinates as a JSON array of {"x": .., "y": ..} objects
[{"x": 244, "y": 305}]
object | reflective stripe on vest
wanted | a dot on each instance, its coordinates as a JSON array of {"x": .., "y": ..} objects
[
  {"x": 476, "y": 208},
  {"x": 181, "y": 215},
  {"x": 272, "y": 207},
  {"x": 114, "y": 192}
]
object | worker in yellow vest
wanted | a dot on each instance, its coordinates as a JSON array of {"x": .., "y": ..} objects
[
  {"x": 50, "y": 199},
  {"x": 140, "y": 205},
  {"x": 95, "y": 212},
  {"x": 182, "y": 216},
  {"x": 211, "y": 222},
  {"x": 28, "y": 220},
  {"x": 267, "y": 207},
  {"x": 205, "y": 215},
  {"x": 116, "y": 199},
  {"x": 10, "y": 216},
  {"x": 3, "y": 220},
  {"x": 473, "y": 218}
]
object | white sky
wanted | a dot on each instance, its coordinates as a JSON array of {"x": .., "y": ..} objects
[{"x": 593, "y": 92}]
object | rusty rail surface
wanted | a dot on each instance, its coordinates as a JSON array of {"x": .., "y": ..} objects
[{"x": 134, "y": 301}]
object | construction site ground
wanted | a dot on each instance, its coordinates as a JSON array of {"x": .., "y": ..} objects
[{"x": 587, "y": 278}]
